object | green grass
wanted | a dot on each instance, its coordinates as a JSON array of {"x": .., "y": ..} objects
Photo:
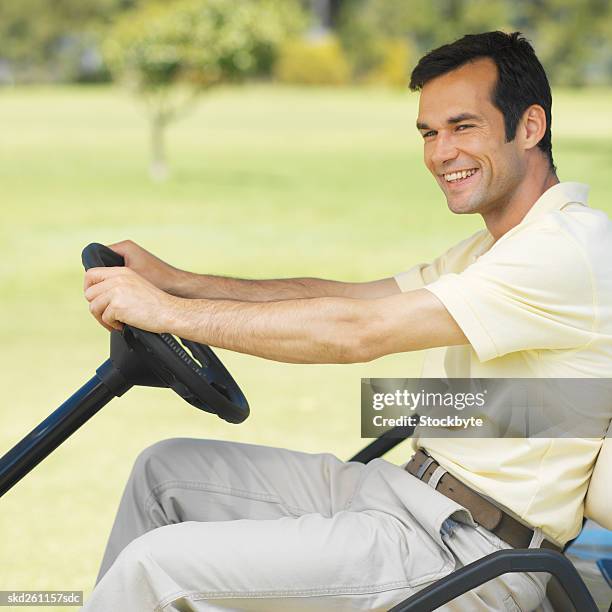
[{"x": 265, "y": 182}]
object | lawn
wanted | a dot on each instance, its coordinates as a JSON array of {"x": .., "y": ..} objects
[{"x": 265, "y": 182}]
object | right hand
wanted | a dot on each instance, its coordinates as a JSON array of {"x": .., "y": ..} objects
[{"x": 158, "y": 272}]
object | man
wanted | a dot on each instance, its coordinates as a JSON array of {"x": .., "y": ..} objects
[{"x": 210, "y": 525}]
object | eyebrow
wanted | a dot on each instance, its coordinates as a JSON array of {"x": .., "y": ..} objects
[{"x": 452, "y": 120}]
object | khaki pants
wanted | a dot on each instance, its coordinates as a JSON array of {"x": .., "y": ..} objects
[{"x": 205, "y": 525}]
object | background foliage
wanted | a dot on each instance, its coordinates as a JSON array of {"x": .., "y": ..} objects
[
  {"x": 61, "y": 40},
  {"x": 169, "y": 53}
]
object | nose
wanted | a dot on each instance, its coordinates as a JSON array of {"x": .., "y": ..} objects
[{"x": 443, "y": 150}]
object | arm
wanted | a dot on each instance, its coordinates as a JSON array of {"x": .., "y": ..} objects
[
  {"x": 206, "y": 286},
  {"x": 315, "y": 330}
]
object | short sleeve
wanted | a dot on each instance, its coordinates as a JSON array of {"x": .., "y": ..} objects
[
  {"x": 455, "y": 258},
  {"x": 415, "y": 277},
  {"x": 531, "y": 291}
]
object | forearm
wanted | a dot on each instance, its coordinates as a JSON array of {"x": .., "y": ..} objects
[
  {"x": 207, "y": 286},
  {"x": 319, "y": 330},
  {"x": 314, "y": 330}
]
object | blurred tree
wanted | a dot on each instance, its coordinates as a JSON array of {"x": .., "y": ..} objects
[
  {"x": 168, "y": 53},
  {"x": 59, "y": 40},
  {"x": 42, "y": 40},
  {"x": 314, "y": 60},
  {"x": 365, "y": 25},
  {"x": 571, "y": 38}
]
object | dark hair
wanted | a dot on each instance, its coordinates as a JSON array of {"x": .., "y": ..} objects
[{"x": 521, "y": 80}]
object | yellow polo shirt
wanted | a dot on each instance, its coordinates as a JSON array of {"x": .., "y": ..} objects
[{"x": 536, "y": 303}]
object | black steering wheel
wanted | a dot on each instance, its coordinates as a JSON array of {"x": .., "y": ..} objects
[{"x": 191, "y": 369}]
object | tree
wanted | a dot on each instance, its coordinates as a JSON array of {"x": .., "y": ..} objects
[
  {"x": 42, "y": 40},
  {"x": 572, "y": 39},
  {"x": 169, "y": 53},
  {"x": 365, "y": 24}
]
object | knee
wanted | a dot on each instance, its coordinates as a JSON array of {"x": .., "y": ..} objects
[
  {"x": 175, "y": 459},
  {"x": 159, "y": 451},
  {"x": 151, "y": 550},
  {"x": 139, "y": 550},
  {"x": 154, "y": 465},
  {"x": 136, "y": 565},
  {"x": 160, "y": 460},
  {"x": 149, "y": 461}
]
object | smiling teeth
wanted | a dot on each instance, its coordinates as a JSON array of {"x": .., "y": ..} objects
[{"x": 455, "y": 176}]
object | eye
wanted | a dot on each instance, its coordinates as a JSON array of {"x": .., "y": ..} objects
[
  {"x": 464, "y": 126},
  {"x": 429, "y": 134}
]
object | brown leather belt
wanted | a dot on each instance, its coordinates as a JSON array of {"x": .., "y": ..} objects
[{"x": 483, "y": 511}]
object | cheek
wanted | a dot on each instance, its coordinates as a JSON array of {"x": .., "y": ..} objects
[
  {"x": 506, "y": 162},
  {"x": 427, "y": 158},
  {"x": 476, "y": 146}
]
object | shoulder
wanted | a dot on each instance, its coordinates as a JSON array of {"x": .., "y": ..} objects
[
  {"x": 563, "y": 240},
  {"x": 589, "y": 229},
  {"x": 541, "y": 261}
]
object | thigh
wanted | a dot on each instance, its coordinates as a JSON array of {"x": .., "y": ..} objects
[
  {"x": 188, "y": 479},
  {"x": 351, "y": 561}
]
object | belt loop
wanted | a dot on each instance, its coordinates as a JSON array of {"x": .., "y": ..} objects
[
  {"x": 424, "y": 467},
  {"x": 537, "y": 538},
  {"x": 435, "y": 477}
]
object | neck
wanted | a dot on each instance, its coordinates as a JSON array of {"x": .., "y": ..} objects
[{"x": 504, "y": 217}]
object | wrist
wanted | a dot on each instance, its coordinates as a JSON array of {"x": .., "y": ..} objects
[
  {"x": 174, "y": 314},
  {"x": 183, "y": 317},
  {"x": 180, "y": 283}
]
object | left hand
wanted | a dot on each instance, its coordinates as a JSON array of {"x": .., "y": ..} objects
[{"x": 119, "y": 295}]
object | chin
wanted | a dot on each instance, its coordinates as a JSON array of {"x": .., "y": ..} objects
[{"x": 461, "y": 208}]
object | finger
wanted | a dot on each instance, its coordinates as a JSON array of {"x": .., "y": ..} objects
[
  {"x": 108, "y": 318},
  {"x": 96, "y": 275},
  {"x": 99, "y": 288},
  {"x": 93, "y": 276},
  {"x": 120, "y": 247},
  {"x": 97, "y": 308}
]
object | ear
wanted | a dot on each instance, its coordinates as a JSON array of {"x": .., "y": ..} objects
[{"x": 532, "y": 126}]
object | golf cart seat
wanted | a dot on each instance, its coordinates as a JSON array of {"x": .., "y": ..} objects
[{"x": 566, "y": 590}]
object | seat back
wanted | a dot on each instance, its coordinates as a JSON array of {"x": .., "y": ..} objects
[{"x": 598, "y": 504}]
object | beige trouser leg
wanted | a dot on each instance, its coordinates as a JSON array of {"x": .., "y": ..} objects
[{"x": 205, "y": 525}]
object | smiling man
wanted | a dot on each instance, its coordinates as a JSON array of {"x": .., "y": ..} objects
[{"x": 211, "y": 525}]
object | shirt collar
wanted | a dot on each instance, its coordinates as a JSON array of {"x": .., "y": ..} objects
[{"x": 556, "y": 197}]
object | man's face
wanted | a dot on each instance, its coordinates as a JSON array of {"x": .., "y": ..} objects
[{"x": 464, "y": 139}]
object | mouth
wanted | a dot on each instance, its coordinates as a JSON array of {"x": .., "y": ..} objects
[{"x": 459, "y": 178}]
